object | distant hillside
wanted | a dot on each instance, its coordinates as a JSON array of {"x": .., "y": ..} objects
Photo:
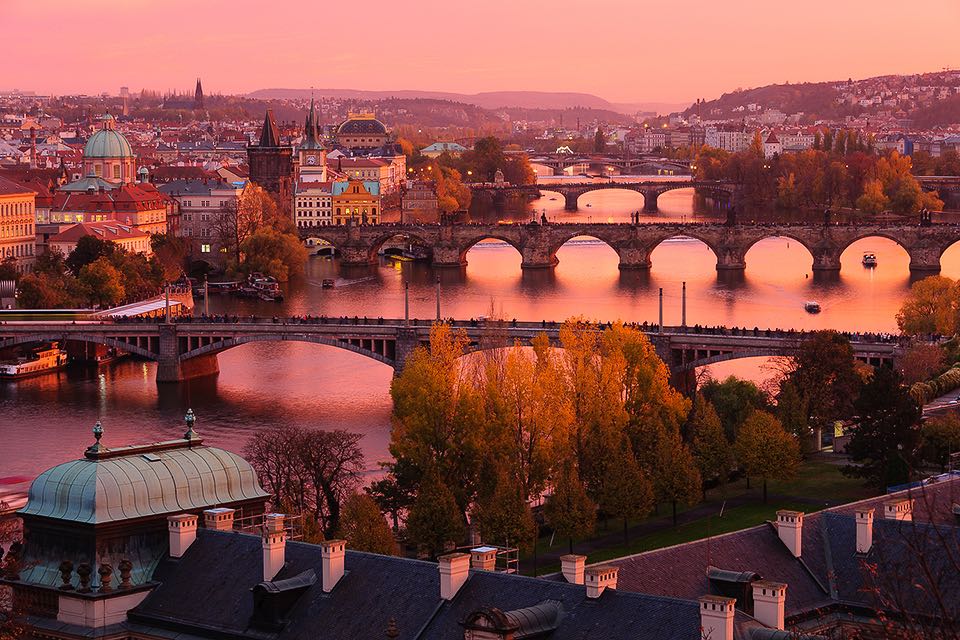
[
  {"x": 487, "y": 100},
  {"x": 928, "y": 99}
]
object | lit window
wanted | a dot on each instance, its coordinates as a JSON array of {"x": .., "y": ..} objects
[{"x": 204, "y": 248}]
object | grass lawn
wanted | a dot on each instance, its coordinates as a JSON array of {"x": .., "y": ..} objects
[{"x": 817, "y": 485}]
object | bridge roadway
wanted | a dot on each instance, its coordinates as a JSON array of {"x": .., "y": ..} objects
[
  {"x": 571, "y": 191},
  {"x": 634, "y": 243},
  {"x": 188, "y": 348}
]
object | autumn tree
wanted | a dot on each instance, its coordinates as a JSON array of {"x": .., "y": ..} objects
[
  {"x": 170, "y": 253},
  {"x": 308, "y": 471},
  {"x": 435, "y": 520},
  {"x": 364, "y": 528},
  {"x": 940, "y": 439},
  {"x": 102, "y": 282},
  {"x": 87, "y": 250},
  {"x": 734, "y": 399},
  {"x": 764, "y": 450},
  {"x": 920, "y": 362},
  {"x": 676, "y": 478},
  {"x": 873, "y": 200},
  {"x": 824, "y": 374},
  {"x": 569, "y": 510},
  {"x": 792, "y": 413},
  {"x": 273, "y": 253},
  {"x": 708, "y": 443},
  {"x": 504, "y": 516},
  {"x": 931, "y": 308},
  {"x": 885, "y": 440},
  {"x": 626, "y": 492},
  {"x": 438, "y": 417}
]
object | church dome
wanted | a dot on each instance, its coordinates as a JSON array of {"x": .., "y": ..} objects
[
  {"x": 364, "y": 125},
  {"x": 107, "y": 143}
]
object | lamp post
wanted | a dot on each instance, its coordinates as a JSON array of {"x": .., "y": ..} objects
[{"x": 438, "y": 298}]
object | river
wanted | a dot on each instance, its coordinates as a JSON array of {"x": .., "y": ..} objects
[{"x": 46, "y": 420}]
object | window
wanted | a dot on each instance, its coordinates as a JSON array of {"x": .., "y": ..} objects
[
  {"x": 116, "y": 171},
  {"x": 204, "y": 248}
]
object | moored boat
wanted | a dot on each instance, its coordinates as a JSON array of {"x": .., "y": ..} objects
[
  {"x": 42, "y": 361},
  {"x": 811, "y": 306},
  {"x": 869, "y": 259}
]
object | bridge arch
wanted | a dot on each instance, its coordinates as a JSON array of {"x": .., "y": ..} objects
[
  {"x": 386, "y": 354},
  {"x": 572, "y": 197},
  {"x": 381, "y": 240},
  {"x": 733, "y": 355},
  {"x": 90, "y": 338},
  {"x": 567, "y": 237},
  {"x": 470, "y": 243},
  {"x": 691, "y": 234},
  {"x": 911, "y": 253}
]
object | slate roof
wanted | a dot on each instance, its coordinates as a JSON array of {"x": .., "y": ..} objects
[
  {"x": 207, "y": 593},
  {"x": 829, "y": 571}
]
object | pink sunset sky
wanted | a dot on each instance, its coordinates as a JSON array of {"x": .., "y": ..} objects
[{"x": 621, "y": 50}]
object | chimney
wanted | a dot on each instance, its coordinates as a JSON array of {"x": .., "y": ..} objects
[
  {"x": 768, "y": 602},
  {"x": 572, "y": 567},
  {"x": 790, "y": 530},
  {"x": 716, "y": 617},
  {"x": 274, "y": 545},
  {"x": 600, "y": 578},
  {"x": 183, "y": 531},
  {"x": 483, "y": 558},
  {"x": 454, "y": 571},
  {"x": 219, "y": 519},
  {"x": 332, "y": 553},
  {"x": 864, "y": 530},
  {"x": 900, "y": 509}
]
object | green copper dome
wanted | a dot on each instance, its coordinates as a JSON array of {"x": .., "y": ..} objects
[{"x": 107, "y": 143}]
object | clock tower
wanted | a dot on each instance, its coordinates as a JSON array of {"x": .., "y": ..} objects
[{"x": 312, "y": 154}]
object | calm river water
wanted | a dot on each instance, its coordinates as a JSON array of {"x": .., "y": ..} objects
[{"x": 46, "y": 420}]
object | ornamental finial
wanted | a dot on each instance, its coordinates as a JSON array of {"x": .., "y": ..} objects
[
  {"x": 96, "y": 447},
  {"x": 190, "y": 419}
]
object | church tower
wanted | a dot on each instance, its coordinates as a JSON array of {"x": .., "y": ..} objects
[
  {"x": 271, "y": 162},
  {"x": 312, "y": 154},
  {"x": 198, "y": 97}
]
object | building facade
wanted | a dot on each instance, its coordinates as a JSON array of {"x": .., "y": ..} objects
[
  {"x": 108, "y": 154},
  {"x": 361, "y": 131},
  {"x": 124, "y": 236},
  {"x": 313, "y": 204},
  {"x": 419, "y": 202},
  {"x": 207, "y": 213},
  {"x": 17, "y": 225},
  {"x": 356, "y": 202}
]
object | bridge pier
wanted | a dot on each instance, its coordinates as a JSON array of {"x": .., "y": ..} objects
[
  {"x": 570, "y": 201},
  {"x": 170, "y": 368},
  {"x": 650, "y": 201},
  {"x": 632, "y": 258},
  {"x": 826, "y": 260},
  {"x": 355, "y": 256},
  {"x": 925, "y": 260},
  {"x": 448, "y": 257},
  {"x": 537, "y": 255},
  {"x": 731, "y": 259}
]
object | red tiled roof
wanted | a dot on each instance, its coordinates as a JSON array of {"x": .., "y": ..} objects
[
  {"x": 104, "y": 230},
  {"x": 11, "y": 188}
]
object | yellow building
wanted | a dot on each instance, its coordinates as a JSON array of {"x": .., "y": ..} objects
[
  {"x": 357, "y": 201},
  {"x": 18, "y": 238}
]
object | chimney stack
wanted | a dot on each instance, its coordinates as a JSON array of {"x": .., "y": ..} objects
[
  {"x": 274, "y": 545},
  {"x": 864, "y": 530},
  {"x": 332, "y": 553},
  {"x": 219, "y": 519},
  {"x": 454, "y": 571},
  {"x": 599, "y": 579},
  {"x": 716, "y": 617},
  {"x": 183, "y": 531},
  {"x": 900, "y": 509},
  {"x": 768, "y": 602},
  {"x": 483, "y": 558},
  {"x": 790, "y": 530},
  {"x": 572, "y": 567}
]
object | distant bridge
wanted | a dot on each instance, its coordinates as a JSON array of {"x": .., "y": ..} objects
[
  {"x": 571, "y": 191},
  {"x": 609, "y": 163},
  {"x": 634, "y": 243},
  {"x": 185, "y": 350}
]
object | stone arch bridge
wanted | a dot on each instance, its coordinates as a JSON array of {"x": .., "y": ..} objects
[
  {"x": 634, "y": 243},
  {"x": 185, "y": 350},
  {"x": 571, "y": 191}
]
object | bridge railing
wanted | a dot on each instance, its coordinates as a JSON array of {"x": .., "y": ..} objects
[{"x": 512, "y": 326}]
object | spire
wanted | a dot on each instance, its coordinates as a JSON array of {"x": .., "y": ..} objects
[
  {"x": 311, "y": 138},
  {"x": 270, "y": 136},
  {"x": 198, "y": 96}
]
